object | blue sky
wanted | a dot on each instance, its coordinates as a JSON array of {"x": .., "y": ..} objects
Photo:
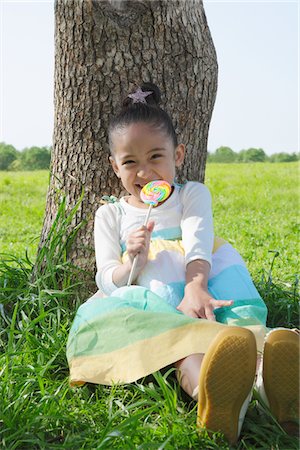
[{"x": 257, "y": 44}]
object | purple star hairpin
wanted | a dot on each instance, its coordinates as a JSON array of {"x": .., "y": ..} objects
[{"x": 139, "y": 96}]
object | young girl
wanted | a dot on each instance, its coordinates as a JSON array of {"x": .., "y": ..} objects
[{"x": 192, "y": 304}]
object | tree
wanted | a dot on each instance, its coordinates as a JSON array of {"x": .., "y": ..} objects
[
  {"x": 225, "y": 155},
  {"x": 284, "y": 157},
  {"x": 16, "y": 165},
  {"x": 35, "y": 158},
  {"x": 8, "y": 154},
  {"x": 252, "y": 155},
  {"x": 210, "y": 157},
  {"x": 102, "y": 50}
]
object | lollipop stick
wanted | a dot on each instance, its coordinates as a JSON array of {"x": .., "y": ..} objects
[
  {"x": 130, "y": 278},
  {"x": 147, "y": 216}
]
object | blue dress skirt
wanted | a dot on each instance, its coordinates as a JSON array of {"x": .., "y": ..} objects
[{"x": 135, "y": 332}]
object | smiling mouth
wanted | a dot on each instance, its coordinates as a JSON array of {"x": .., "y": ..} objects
[{"x": 140, "y": 186}]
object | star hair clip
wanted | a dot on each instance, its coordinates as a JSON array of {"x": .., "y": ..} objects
[{"x": 139, "y": 96}]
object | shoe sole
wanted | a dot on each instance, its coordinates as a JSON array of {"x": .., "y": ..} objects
[
  {"x": 225, "y": 381},
  {"x": 281, "y": 374}
]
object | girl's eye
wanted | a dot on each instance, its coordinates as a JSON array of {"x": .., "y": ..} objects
[
  {"x": 156, "y": 155},
  {"x": 130, "y": 161}
]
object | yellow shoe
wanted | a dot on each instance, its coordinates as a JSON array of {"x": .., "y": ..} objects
[
  {"x": 279, "y": 384},
  {"x": 225, "y": 382}
]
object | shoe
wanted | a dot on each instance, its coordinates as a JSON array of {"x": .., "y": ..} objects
[
  {"x": 278, "y": 378},
  {"x": 225, "y": 382}
]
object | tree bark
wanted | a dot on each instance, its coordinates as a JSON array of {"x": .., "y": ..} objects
[{"x": 102, "y": 50}]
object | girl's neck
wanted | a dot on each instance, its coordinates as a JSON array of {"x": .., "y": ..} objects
[{"x": 133, "y": 201}]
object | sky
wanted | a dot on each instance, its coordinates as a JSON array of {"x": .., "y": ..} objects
[{"x": 257, "y": 44}]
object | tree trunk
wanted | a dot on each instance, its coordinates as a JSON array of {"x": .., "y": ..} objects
[{"x": 102, "y": 50}]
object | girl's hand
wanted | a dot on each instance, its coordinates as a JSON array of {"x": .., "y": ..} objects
[
  {"x": 197, "y": 302},
  {"x": 138, "y": 244}
]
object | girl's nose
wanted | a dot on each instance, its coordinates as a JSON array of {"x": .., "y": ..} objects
[{"x": 143, "y": 172}]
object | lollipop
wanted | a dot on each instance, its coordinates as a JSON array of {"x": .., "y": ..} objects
[
  {"x": 152, "y": 194},
  {"x": 155, "y": 192}
]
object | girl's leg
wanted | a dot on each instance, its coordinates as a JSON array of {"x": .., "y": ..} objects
[
  {"x": 188, "y": 370},
  {"x": 224, "y": 382},
  {"x": 278, "y": 377}
]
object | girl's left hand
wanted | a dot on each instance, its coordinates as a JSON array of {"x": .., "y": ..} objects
[{"x": 198, "y": 302}]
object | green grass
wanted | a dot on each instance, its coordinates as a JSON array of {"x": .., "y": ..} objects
[
  {"x": 255, "y": 207},
  {"x": 22, "y": 204}
]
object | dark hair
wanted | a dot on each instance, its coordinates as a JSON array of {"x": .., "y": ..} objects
[{"x": 149, "y": 112}]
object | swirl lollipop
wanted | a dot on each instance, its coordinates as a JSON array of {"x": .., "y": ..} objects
[
  {"x": 155, "y": 192},
  {"x": 152, "y": 194}
]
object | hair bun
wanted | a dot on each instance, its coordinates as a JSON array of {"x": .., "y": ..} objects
[
  {"x": 151, "y": 99},
  {"x": 155, "y": 98}
]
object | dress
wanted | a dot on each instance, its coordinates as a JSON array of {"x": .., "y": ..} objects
[{"x": 140, "y": 323}]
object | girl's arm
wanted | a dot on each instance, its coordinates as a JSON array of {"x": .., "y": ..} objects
[
  {"x": 137, "y": 244},
  {"x": 197, "y": 222},
  {"x": 107, "y": 246},
  {"x": 111, "y": 272},
  {"x": 197, "y": 238},
  {"x": 197, "y": 301}
]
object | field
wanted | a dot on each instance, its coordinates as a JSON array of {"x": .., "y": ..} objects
[
  {"x": 255, "y": 208},
  {"x": 22, "y": 204}
]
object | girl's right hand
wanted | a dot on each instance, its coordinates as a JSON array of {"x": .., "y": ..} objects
[{"x": 138, "y": 244}]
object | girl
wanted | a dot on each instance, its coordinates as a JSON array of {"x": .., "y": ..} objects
[{"x": 193, "y": 303}]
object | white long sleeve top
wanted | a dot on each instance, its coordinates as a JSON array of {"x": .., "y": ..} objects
[{"x": 183, "y": 232}]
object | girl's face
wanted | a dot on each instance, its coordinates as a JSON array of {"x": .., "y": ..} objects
[{"x": 142, "y": 154}]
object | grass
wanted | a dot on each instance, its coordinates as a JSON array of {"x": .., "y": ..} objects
[
  {"x": 38, "y": 410},
  {"x": 22, "y": 204},
  {"x": 256, "y": 207}
]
